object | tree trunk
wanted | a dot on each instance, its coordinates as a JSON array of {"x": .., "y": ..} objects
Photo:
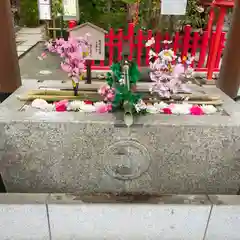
[
  {"x": 9, "y": 69},
  {"x": 229, "y": 80}
]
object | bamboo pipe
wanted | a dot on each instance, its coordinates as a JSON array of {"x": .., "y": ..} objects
[{"x": 146, "y": 95}]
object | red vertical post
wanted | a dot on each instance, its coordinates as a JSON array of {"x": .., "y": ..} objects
[
  {"x": 203, "y": 50},
  {"x": 210, "y": 21},
  {"x": 111, "y": 45},
  {"x": 176, "y": 44},
  {"x": 139, "y": 47},
  {"x": 186, "y": 39},
  {"x": 120, "y": 44},
  {"x": 131, "y": 40},
  {"x": 166, "y": 38},
  {"x": 213, "y": 53},
  {"x": 194, "y": 46},
  {"x": 149, "y": 36},
  {"x": 158, "y": 42},
  {"x": 211, "y": 42},
  {"x": 220, "y": 50}
]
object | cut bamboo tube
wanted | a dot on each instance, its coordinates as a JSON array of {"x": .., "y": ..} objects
[
  {"x": 145, "y": 95},
  {"x": 54, "y": 98}
]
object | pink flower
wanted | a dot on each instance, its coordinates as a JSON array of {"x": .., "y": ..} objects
[
  {"x": 65, "y": 67},
  {"x": 88, "y": 102},
  {"x": 61, "y": 106},
  {"x": 167, "y": 111},
  {"x": 110, "y": 96},
  {"x": 102, "y": 109},
  {"x": 109, "y": 106},
  {"x": 196, "y": 110}
]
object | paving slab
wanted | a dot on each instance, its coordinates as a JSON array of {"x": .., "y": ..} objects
[
  {"x": 23, "y": 217},
  {"x": 130, "y": 221},
  {"x": 224, "y": 221}
]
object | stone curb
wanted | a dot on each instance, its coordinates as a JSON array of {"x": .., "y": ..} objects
[{"x": 98, "y": 216}]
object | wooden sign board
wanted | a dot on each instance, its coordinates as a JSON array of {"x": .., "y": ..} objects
[
  {"x": 70, "y": 10},
  {"x": 44, "y": 10},
  {"x": 173, "y": 7},
  {"x": 97, "y": 39}
]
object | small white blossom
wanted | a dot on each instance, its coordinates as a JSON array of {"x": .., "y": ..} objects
[
  {"x": 140, "y": 106},
  {"x": 151, "y": 109},
  {"x": 166, "y": 42},
  {"x": 160, "y": 105},
  {"x": 121, "y": 81},
  {"x": 209, "y": 109},
  {"x": 167, "y": 55},
  {"x": 150, "y": 42}
]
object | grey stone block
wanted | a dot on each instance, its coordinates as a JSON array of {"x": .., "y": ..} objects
[
  {"x": 77, "y": 152},
  {"x": 128, "y": 221}
]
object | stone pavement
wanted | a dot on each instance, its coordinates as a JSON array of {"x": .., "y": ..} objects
[
  {"x": 106, "y": 216},
  {"x": 26, "y": 38}
]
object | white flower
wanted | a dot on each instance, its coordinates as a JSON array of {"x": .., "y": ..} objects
[
  {"x": 140, "y": 106},
  {"x": 99, "y": 104},
  {"x": 167, "y": 55},
  {"x": 80, "y": 106},
  {"x": 121, "y": 81},
  {"x": 151, "y": 54},
  {"x": 160, "y": 105},
  {"x": 151, "y": 109},
  {"x": 74, "y": 105},
  {"x": 182, "y": 109},
  {"x": 43, "y": 105},
  {"x": 150, "y": 42},
  {"x": 166, "y": 42},
  {"x": 209, "y": 109},
  {"x": 88, "y": 108}
]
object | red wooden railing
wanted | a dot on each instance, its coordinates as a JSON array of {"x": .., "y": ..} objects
[{"x": 183, "y": 43}]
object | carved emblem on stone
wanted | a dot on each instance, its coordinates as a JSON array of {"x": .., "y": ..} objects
[{"x": 126, "y": 160}]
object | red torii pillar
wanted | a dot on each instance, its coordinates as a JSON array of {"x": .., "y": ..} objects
[
  {"x": 222, "y": 5},
  {"x": 229, "y": 80}
]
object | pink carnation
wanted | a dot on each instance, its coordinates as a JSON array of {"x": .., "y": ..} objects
[
  {"x": 61, "y": 106},
  {"x": 167, "y": 110},
  {"x": 196, "y": 110}
]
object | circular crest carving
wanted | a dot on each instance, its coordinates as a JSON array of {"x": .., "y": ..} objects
[{"x": 126, "y": 160}]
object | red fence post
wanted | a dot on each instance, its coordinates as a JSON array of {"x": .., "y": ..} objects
[
  {"x": 110, "y": 45},
  {"x": 131, "y": 40},
  {"x": 214, "y": 50},
  {"x": 139, "y": 47},
  {"x": 120, "y": 44},
  {"x": 220, "y": 50},
  {"x": 203, "y": 50},
  {"x": 194, "y": 46},
  {"x": 186, "y": 39},
  {"x": 158, "y": 42},
  {"x": 149, "y": 36}
]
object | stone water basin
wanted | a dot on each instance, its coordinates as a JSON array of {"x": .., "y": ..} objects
[{"x": 83, "y": 153}]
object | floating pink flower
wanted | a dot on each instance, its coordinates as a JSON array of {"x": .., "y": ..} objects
[
  {"x": 88, "y": 102},
  {"x": 196, "y": 110},
  {"x": 102, "y": 107},
  {"x": 167, "y": 110},
  {"x": 61, "y": 106}
]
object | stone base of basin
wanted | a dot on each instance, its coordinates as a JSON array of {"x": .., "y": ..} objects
[{"x": 77, "y": 152}]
